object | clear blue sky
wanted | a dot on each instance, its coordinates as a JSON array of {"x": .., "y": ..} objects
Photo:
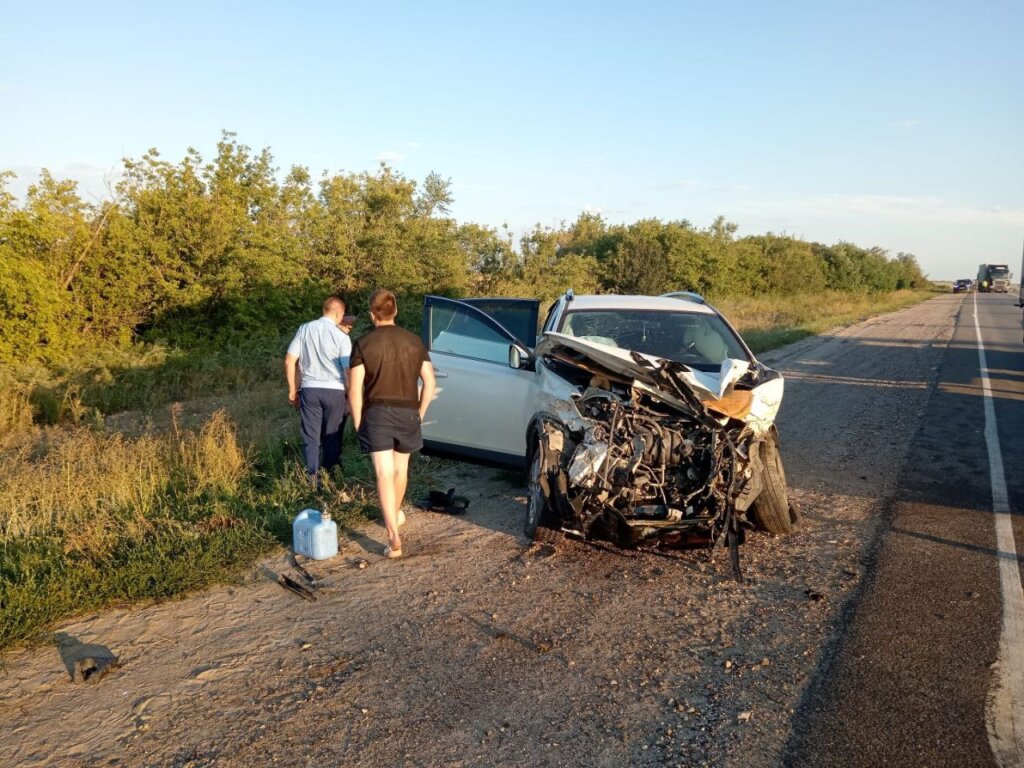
[{"x": 899, "y": 124}]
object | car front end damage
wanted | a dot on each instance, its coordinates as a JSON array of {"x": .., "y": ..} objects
[{"x": 647, "y": 449}]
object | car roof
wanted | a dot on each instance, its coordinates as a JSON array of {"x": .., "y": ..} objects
[{"x": 650, "y": 303}]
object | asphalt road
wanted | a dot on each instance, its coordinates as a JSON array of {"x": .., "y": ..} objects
[{"x": 910, "y": 677}]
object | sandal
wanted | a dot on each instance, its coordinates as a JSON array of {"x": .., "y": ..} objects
[{"x": 392, "y": 554}]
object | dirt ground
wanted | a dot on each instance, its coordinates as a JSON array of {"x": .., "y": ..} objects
[{"x": 475, "y": 649}]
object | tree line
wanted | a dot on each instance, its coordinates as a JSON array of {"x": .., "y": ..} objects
[{"x": 200, "y": 251}]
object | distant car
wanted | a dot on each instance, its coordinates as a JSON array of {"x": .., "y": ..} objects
[{"x": 962, "y": 285}]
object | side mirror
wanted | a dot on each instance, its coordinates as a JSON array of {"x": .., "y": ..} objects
[{"x": 519, "y": 357}]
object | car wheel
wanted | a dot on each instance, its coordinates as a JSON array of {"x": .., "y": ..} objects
[
  {"x": 771, "y": 509},
  {"x": 536, "y": 504}
]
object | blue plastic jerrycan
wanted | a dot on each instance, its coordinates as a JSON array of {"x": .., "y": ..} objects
[{"x": 314, "y": 535}]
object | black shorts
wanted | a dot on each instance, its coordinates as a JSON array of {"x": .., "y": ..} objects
[{"x": 386, "y": 428}]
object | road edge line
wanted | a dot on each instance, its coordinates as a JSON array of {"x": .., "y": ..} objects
[{"x": 1004, "y": 709}]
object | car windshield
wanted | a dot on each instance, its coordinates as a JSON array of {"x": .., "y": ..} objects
[{"x": 697, "y": 340}]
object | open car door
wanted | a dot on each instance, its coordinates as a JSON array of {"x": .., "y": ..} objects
[
  {"x": 483, "y": 405},
  {"x": 518, "y": 316}
]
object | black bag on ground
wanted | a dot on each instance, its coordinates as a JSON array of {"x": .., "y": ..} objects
[{"x": 448, "y": 503}]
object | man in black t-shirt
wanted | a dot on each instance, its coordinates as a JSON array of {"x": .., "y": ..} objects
[{"x": 387, "y": 410}]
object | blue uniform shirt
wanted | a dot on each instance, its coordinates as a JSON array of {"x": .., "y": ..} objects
[{"x": 323, "y": 350}]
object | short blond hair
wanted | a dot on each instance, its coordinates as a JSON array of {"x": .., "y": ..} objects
[
  {"x": 383, "y": 304},
  {"x": 332, "y": 301}
]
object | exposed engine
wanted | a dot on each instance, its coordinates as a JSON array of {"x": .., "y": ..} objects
[
  {"x": 636, "y": 454},
  {"x": 640, "y": 468}
]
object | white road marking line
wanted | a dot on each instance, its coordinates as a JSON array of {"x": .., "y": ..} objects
[{"x": 1004, "y": 711}]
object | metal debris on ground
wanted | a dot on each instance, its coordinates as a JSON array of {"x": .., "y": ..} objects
[
  {"x": 295, "y": 587},
  {"x": 310, "y": 578},
  {"x": 92, "y": 669}
]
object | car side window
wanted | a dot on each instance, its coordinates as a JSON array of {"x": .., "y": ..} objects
[
  {"x": 455, "y": 331},
  {"x": 549, "y": 321}
]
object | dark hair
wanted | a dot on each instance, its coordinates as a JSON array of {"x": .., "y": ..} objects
[
  {"x": 333, "y": 301},
  {"x": 383, "y": 304}
]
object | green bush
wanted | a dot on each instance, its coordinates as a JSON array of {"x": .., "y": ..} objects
[{"x": 192, "y": 279}]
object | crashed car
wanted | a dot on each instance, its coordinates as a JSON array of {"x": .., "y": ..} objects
[
  {"x": 962, "y": 285},
  {"x": 638, "y": 417}
]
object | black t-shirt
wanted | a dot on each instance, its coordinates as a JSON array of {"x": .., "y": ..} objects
[{"x": 392, "y": 357}]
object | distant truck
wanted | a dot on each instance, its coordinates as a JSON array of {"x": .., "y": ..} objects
[
  {"x": 1020, "y": 299},
  {"x": 993, "y": 278}
]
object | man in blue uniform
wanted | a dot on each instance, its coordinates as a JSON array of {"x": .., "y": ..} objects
[{"x": 316, "y": 367}]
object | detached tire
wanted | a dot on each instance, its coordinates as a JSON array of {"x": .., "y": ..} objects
[
  {"x": 536, "y": 504},
  {"x": 771, "y": 509}
]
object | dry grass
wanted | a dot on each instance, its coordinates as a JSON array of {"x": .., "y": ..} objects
[
  {"x": 90, "y": 517},
  {"x": 766, "y": 322},
  {"x": 90, "y": 486},
  {"x": 211, "y": 459},
  {"x": 15, "y": 413}
]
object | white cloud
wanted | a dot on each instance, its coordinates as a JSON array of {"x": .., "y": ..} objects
[
  {"x": 672, "y": 186},
  {"x": 920, "y": 209},
  {"x": 390, "y": 156},
  {"x": 730, "y": 188},
  {"x": 95, "y": 183},
  {"x": 680, "y": 184}
]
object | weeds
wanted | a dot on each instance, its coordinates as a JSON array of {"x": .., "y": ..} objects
[
  {"x": 143, "y": 378},
  {"x": 767, "y": 322},
  {"x": 15, "y": 412},
  {"x": 89, "y": 518}
]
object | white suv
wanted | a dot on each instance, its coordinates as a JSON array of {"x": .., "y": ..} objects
[{"x": 639, "y": 417}]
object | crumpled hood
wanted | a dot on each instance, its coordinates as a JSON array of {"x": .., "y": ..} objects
[
  {"x": 666, "y": 379},
  {"x": 623, "y": 362}
]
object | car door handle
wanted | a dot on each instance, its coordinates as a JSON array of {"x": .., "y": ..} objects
[{"x": 440, "y": 374}]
